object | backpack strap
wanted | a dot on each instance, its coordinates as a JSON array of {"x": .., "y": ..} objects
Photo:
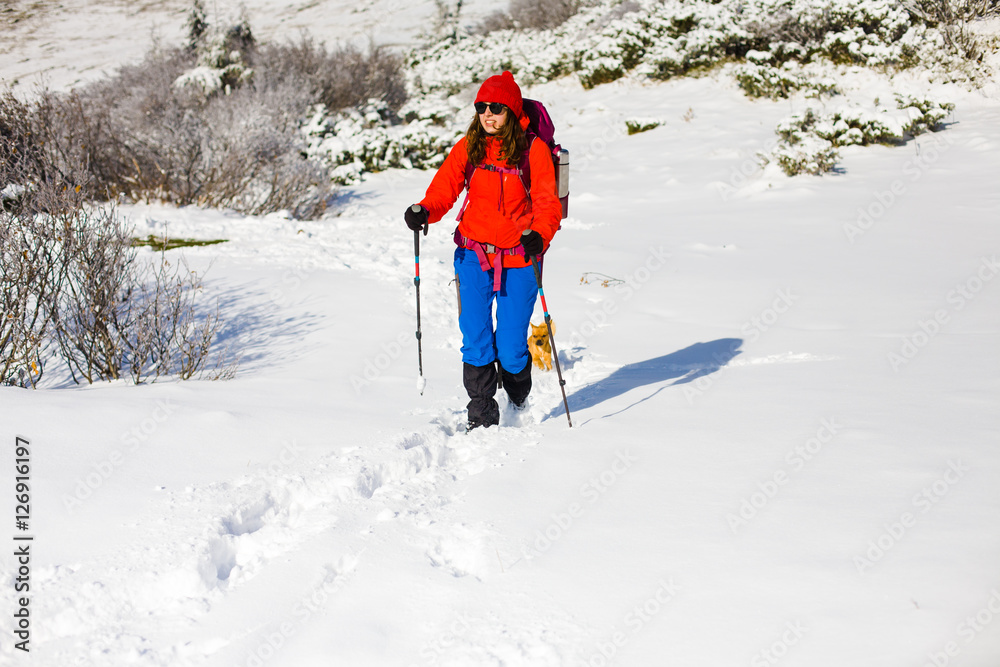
[
  {"x": 469, "y": 171},
  {"x": 525, "y": 165},
  {"x": 523, "y": 171},
  {"x": 482, "y": 251}
]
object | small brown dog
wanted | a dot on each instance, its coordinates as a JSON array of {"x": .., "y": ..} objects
[{"x": 538, "y": 345}]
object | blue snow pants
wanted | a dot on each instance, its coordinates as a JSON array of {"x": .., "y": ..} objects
[{"x": 515, "y": 302}]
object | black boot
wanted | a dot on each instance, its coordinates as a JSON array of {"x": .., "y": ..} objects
[
  {"x": 481, "y": 384},
  {"x": 517, "y": 385}
]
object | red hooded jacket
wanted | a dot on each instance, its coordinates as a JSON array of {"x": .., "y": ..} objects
[{"x": 498, "y": 209}]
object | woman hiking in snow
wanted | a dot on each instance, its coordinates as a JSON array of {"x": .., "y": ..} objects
[{"x": 500, "y": 229}]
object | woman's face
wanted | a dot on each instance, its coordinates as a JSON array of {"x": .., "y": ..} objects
[{"x": 492, "y": 122}]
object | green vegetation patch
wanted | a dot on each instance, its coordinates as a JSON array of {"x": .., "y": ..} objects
[{"x": 637, "y": 125}]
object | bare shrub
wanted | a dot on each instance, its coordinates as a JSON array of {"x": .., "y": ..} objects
[
  {"x": 109, "y": 134},
  {"x": 71, "y": 283},
  {"x": 168, "y": 335},
  {"x": 30, "y": 281},
  {"x": 785, "y": 26},
  {"x": 15, "y": 139},
  {"x": 255, "y": 156},
  {"x": 951, "y": 11},
  {"x": 32, "y": 272},
  {"x": 121, "y": 317},
  {"x": 953, "y": 17},
  {"x": 498, "y": 20},
  {"x": 542, "y": 14},
  {"x": 215, "y": 124},
  {"x": 138, "y": 135},
  {"x": 536, "y": 15},
  {"x": 342, "y": 78},
  {"x": 94, "y": 308}
]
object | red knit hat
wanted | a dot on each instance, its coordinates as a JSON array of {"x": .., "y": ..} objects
[{"x": 503, "y": 89}]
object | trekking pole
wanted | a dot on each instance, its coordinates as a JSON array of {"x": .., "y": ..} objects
[
  {"x": 552, "y": 340},
  {"x": 421, "y": 383}
]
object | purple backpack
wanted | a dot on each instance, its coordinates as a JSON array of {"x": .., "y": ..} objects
[{"x": 540, "y": 126}]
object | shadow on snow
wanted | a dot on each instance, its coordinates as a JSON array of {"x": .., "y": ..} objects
[
  {"x": 256, "y": 325},
  {"x": 682, "y": 366}
]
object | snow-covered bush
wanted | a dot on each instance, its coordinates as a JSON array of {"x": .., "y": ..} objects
[
  {"x": 353, "y": 142},
  {"x": 805, "y": 154},
  {"x": 767, "y": 81},
  {"x": 953, "y": 20},
  {"x": 779, "y": 48},
  {"x": 449, "y": 67},
  {"x": 611, "y": 50},
  {"x": 809, "y": 140},
  {"x": 864, "y": 32},
  {"x": 857, "y": 126},
  {"x": 762, "y": 79},
  {"x": 690, "y": 37},
  {"x": 222, "y": 55},
  {"x": 666, "y": 38},
  {"x": 926, "y": 114}
]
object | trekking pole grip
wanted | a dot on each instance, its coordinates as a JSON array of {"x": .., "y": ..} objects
[{"x": 416, "y": 208}]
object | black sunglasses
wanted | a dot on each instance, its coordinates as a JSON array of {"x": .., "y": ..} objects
[{"x": 495, "y": 107}]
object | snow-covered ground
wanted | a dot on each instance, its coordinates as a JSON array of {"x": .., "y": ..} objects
[
  {"x": 74, "y": 41},
  {"x": 784, "y": 447}
]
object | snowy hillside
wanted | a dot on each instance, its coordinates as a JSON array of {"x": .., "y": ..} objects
[
  {"x": 784, "y": 442},
  {"x": 76, "y": 41}
]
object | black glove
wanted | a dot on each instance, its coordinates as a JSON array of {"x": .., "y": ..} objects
[
  {"x": 532, "y": 243},
  {"x": 416, "y": 219}
]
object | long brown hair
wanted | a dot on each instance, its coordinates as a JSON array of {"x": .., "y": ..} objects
[{"x": 513, "y": 143}]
